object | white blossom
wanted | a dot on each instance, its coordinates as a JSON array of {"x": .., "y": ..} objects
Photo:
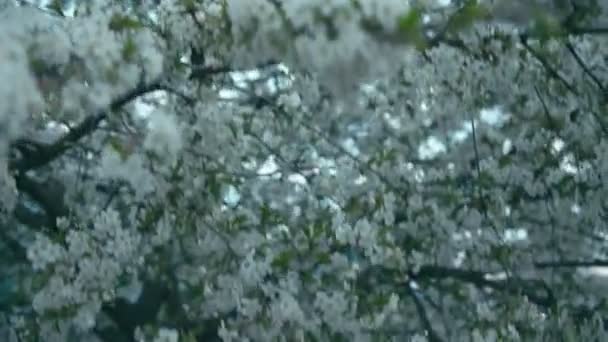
[
  {"x": 167, "y": 335},
  {"x": 309, "y": 170},
  {"x": 163, "y": 136}
]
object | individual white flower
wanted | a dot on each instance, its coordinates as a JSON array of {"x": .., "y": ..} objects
[
  {"x": 164, "y": 230},
  {"x": 333, "y": 308},
  {"x": 148, "y": 50},
  {"x": 291, "y": 100},
  {"x": 44, "y": 252},
  {"x": 393, "y": 302},
  {"x": 249, "y": 307},
  {"x": 52, "y": 47},
  {"x": 167, "y": 335},
  {"x": 132, "y": 170},
  {"x": 227, "y": 335},
  {"x": 366, "y": 233},
  {"x": 473, "y": 219},
  {"x": 131, "y": 291},
  {"x": 419, "y": 338},
  {"x": 8, "y": 189},
  {"x": 345, "y": 234},
  {"x": 286, "y": 309},
  {"x": 85, "y": 318},
  {"x": 19, "y": 95},
  {"x": 78, "y": 243},
  {"x": 388, "y": 210},
  {"x": 253, "y": 271},
  {"x": 164, "y": 135}
]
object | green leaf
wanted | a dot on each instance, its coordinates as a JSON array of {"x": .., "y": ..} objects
[
  {"x": 317, "y": 229},
  {"x": 56, "y": 6},
  {"x": 449, "y": 198},
  {"x": 129, "y": 49},
  {"x": 505, "y": 160},
  {"x": 283, "y": 259},
  {"x": 269, "y": 216},
  {"x": 485, "y": 180},
  {"x": 411, "y": 21},
  {"x": 410, "y": 26},
  {"x": 189, "y": 5},
  {"x": 38, "y": 66},
  {"x": 467, "y": 15},
  {"x": 353, "y": 206},
  {"x": 323, "y": 258},
  {"x": 238, "y": 220},
  {"x": 120, "y": 22},
  {"x": 117, "y": 145},
  {"x": 501, "y": 253},
  {"x": 150, "y": 218},
  {"x": 214, "y": 186},
  {"x": 189, "y": 336},
  {"x": 546, "y": 26}
]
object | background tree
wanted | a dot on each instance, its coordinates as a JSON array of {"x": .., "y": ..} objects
[{"x": 303, "y": 170}]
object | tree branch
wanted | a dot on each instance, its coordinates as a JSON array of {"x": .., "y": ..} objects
[
  {"x": 588, "y": 30},
  {"x": 426, "y": 322},
  {"x": 202, "y": 72},
  {"x": 46, "y": 153},
  {"x": 571, "y": 263},
  {"x": 551, "y": 71},
  {"x": 512, "y": 285},
  {"x": 584, "y": 66},
  {"x": 48, "y": 194}
]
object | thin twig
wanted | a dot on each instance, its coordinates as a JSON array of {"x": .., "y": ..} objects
[
  {"x": 571, "y": 263},
  {"x": 584, "y": 66},
  {"x": 546, "y": 65},
  {"x": 426, "y": 322}
]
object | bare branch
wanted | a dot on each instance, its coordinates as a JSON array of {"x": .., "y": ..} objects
[
  {"x": 571, "y": 263},
  {"x": 426, "y": 323},
  {"x": 584, "y": 66},
  {"x": 45, "y": 154}
]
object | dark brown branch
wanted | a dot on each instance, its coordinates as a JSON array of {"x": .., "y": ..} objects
[
  {"x": 45, "y": 154},
  {"x": 202, "y": 72},
  {"x": 550, "y": 119},
  {"x": 188, "y": 99},
  {"x": 584, "y": 66},
  {"x": 48, "y": 194},
  {"x": 546, "y": 65},
  {"x": 588, "y": 30},
  {"x": 426, "y": 322},
  {"x": 552, "y": 72},
  {"x": 571, "y": 263},
  {"x": 512, "y": 285},
  {"x": 515, "y": 286}
]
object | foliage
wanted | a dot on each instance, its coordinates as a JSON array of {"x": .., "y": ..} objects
[{"x": 320, "y": 170}]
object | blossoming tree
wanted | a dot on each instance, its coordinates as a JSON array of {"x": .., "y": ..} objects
[{"x": 289, "y": 170}]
